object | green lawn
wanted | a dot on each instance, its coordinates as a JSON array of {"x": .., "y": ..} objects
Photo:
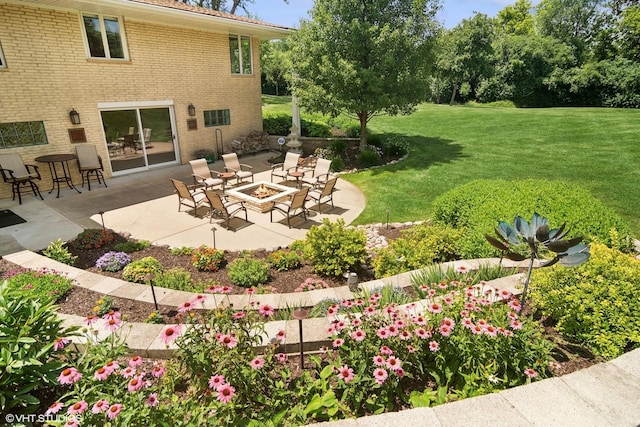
[{"x": 597, "y": 148}]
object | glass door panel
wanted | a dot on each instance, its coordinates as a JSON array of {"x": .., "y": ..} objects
[
  {"x": 121, "y": 130},
  {"x": 157, "y": 135}
]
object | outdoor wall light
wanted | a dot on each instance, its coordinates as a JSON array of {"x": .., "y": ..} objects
[
  {"x": 192, "y": 110},
  {"x": 74, "y": 116}
]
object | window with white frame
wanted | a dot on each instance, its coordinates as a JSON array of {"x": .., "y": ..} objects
[
  {"x": 240, "y": 49},
  {"x": 104, "y": 36},
  {"x": 3, "y": 63}
]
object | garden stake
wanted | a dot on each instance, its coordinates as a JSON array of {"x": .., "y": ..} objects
[
  {"x": 213, "y": 229},
  {"x": 387, "y": 218},
  {"x": 301, "y": 314},
  {"x": 101, "y": 213},
  {"x": 150, "y": 278}
]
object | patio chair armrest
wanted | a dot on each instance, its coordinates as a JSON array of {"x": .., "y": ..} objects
[
  {"x": 9, "y": 172},
  {"x": 292, "y": 169},
  {"x": 243, "y": 165},
  {"x": 35, "y": 170},
  {"x": 215, "y": 171},
  {"x": 226, "y": 169},
  {"x": 277, "y": 166}
]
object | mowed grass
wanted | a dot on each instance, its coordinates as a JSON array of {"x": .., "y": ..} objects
[{"x": 597, "y": 148}]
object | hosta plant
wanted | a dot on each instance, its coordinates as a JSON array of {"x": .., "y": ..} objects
[{"x": 536, "y": 236}]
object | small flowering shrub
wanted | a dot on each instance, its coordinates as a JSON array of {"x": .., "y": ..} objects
[
  {"x": 154, "y": 317},
  {"x": 182, "y": 250},
  {"x": 248, "y": 272},
  {"x": 113, "y": 261},
  {"x": 93, "y": 238},
  {"x": 334, "y": 249},
  {"x": 32, "y": 335},
  {"x": 44, "y": 284},
  {"x": 139, "y": 271},
  {"x": 283, "y": 260},
  {"x": 129, "y": 247},
  {"x": 596, "y": 303},
  {"x": 396, "y": 147},
  {"x": 103, "y": 306},
  {"x": 205, "y": 258},
  {"x": 418, "y": 246},
  {"x": 311, "y": 284},
  {"x": 463, "y": 344},
  {"x": 58, "y": 252}
]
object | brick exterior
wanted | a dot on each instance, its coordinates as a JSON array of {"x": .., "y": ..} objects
[{"x": 48, "y": 73}]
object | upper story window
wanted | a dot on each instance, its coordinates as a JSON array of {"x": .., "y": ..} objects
[
  {"x": 240, "y": 49},
  {"x": 3, "y": 63},
  {"x": 21, "y": 134},
  {"x": 104, "y": 36}
]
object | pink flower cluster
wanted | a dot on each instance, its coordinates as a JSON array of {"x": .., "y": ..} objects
[{"x": 224, "y": 390}]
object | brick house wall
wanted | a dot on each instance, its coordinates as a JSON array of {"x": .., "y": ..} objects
[{"x": 48, "y": 73}]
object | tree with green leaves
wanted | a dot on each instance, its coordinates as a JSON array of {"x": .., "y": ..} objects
[
  {"x": 364, "y": 57},
  {"x": 275, "y": 63},
  {"x": 516, "y": 19}
]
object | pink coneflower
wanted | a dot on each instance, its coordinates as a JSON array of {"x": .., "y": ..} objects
[
  {"x": 135, "y": 384},
  {"x": 170, "y": 333},
  {"x": 382, "y": 333},
  {"x": 281, "y": 335},
  {"x": 69, "y": 376},
  {"x": 112, "y": 315},
  {"x": 515, "y": 324},
  {"x": 331, "y": 311},
  {"x": 72, "y": 422},
  {"x": 491, "y": 330},
  {"x": 213, "y": 289},
  {"x": 411, "y": 349},
  {"x": 226, "y": 393},
  {"x": 356, "y": 322},
  {"x": 514, "y": 305},
  {"x": 59, "y": 343},
  {"x": 399, "y": 372},
  {"x": 135, "y": 361},
  {"x": 419, "y": 320},
  {"x": 281, "y": 357},
  {"x": 467, "y": 322},
  {"x": 101, "y": 374},
  {"x": 90, "y": 320},
  {"x": 448, "y": 300},
  {"x": 257, "y": 363},
  {"x": 434, "y": 346},
  {"x": 199, "y": 299},
  {"x": 464, "y": 313},
  {"x": 216, "y": 381},
  {"x": 185, "y": 306},
  {"x": 338, "y": 342},
  {"x": 128, "y": 372},
  {"x": 393, "y": 363},
  {"x": 340, "y": 325},
  {"x": 423, "y": 288},
  {"x": 434, "y": 308},
  {"x": 386, "y": 350},
  {"x": 431, "y": 293},
  {"x": 400, "y": 323},
  {"x": 358, "y": 335},
  {"x": 405, "y": 335},
  {"x": 111, "y": 366},
  {"x": 225, "y": 289},
  {"x": 158, "y": 370},
  {"x": 152, "y": 400},
  {"x": 445, "y": 330},
  {"x": 504, "y": 294},
  {"x": 482, "y": 323},
  {"x": 477, "y": 330},
  {"x": 266, "y": 310},
  {"x": 393, "y": 330},
  {"x": 380, "y": 375},
  {"x": 511, "y": 315},
  {"x": 530, "y": 373},
  {"x": 378, "y": 360},
  {"x": 114, "y": 410},
  {"x": 421, "y": 333},
  {"x": 112, "y": 324},
  {"x": 239, "y": 315},
  {"x": 369, "y": 310},
  {"x": 100, "y": 406},
  {"x": 375, "y": 297},
  {"x": 346, "y": 373},
  {"x": 228, "y": 340},
  {"x": 54, "y": 408},
  {"x": 443, "y": 285},
  {"x": 331, "y": 329},
  {"x": 77, "y": 408}
]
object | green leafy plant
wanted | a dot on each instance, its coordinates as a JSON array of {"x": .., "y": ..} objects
[
  {"x": 129, "y": 246},
  {"x": 43, "y": 284},
  {"x": 179, "y": 279},
  {"x": 334, "y": 249},
  {"x": 182, "y": 250},
  {"x": 396, "y": 147},
  {"x": 593, "y": 304},
  {"x": 57, "y": 251},
  {"x": 154, "y": 317},
  {"x": 536, "y": 236},
  {"x": 141, "y": 270},
  {"x": 93, "y": 238},
  {"x": 368, "y": 158},
  {"x": 283, "y": 260},
  {"x": 205, "y": 258},
  {"x": 417, "y": 247},
  {"x": 103, "y": 306},
  {"x": 31, "y": 335},
  {"x": 248, "y": 272}
]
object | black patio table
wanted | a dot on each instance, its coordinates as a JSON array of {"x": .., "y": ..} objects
[{"x": 63, "y": 159}]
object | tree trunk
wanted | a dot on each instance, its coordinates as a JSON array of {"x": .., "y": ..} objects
[
  {"x": 453, "y": 94},
  {"x": 362, "y": 115}
]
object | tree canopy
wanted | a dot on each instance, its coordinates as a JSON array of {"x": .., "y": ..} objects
[{"x": 364, "y": 57}]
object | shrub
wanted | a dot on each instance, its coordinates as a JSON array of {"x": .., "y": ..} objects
[
  {"x": 276, "y": 123},
  {"x": 138, "y": 271},
  {"x": 595, "y": 303},
  {"x": 338, "y": 147},
  {"x": 417, "y": 247},
  {"x": 179, "y": 279},
  {"x": 396, "y": 147},
  {"x": 129, "y": 247},
  {"x": 283, "y": 260},
  {"x": 44, "y": 284},
  {"x": 32, "y": 334},
  {"x": 205, "y": 258},
  {"x": 477, "y": 207},
  {"x": 58, "y": 252},
  {"x": 334, "y": 249},
  {"x": 337, "y": 164},
  {"x": 103, "y": 306},
  {"x": 113, "y": 261},
  {"x": 353, "y": 130},
  {"x": 248, "y": 272},
  {"x": 315, "y": 128},
  {"x": 93, "y": 238},
  {"x": 368, "y": 158},
  {"x": 183, "y": 250}
]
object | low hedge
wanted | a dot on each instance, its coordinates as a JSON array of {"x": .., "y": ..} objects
[{"x": 477, "y": 207}]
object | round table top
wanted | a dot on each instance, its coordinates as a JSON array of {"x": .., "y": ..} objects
[
  {"x": 296, "y": 174},
  {"x": 50, "y": 158},
  {"x": 226, "y": 175}
]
